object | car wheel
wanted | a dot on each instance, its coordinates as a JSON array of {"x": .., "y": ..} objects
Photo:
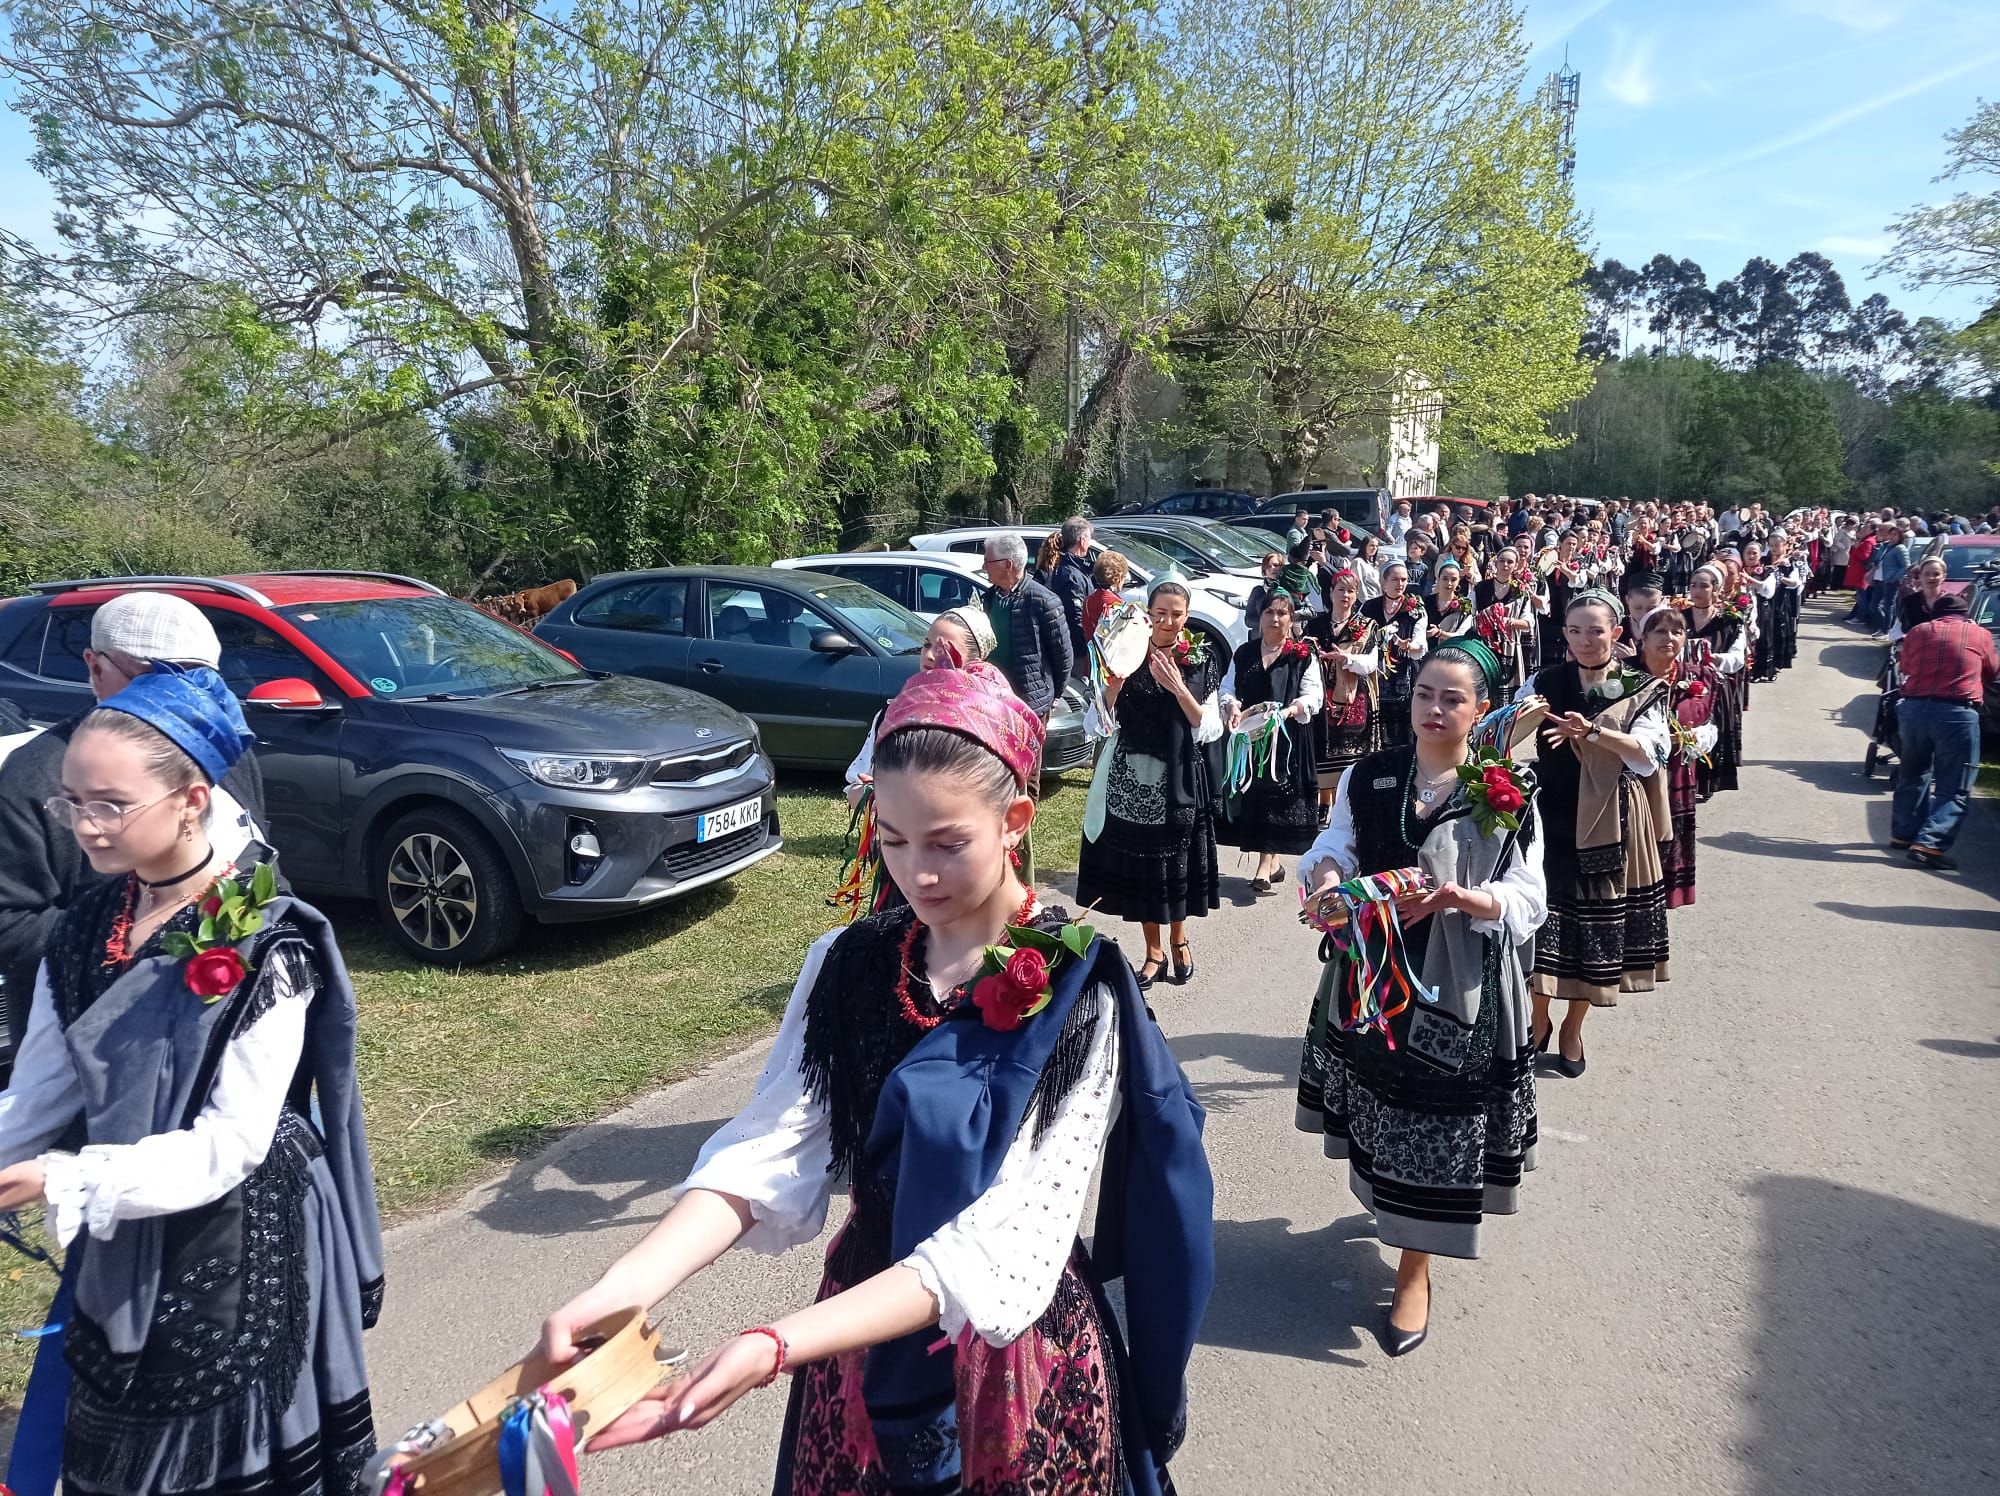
[
  {"x": 1868, "y": 763},
  {"x": 1219, "y": 646},
  {"x": 444, "y": 890}
]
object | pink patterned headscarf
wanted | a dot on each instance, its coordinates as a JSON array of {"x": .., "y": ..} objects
[{"x": 977, "y": 702}]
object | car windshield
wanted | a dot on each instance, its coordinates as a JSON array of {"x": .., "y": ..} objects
[
  {"x": 871, "y": 615},
  {"x": 405, "y": 647},
  {"x": 1202, "y": 548},
  {"x": 1986, "y": 607},
  {"x": 1148, "y": 557},
  {"x": 1961, "y": 561},
  {"x": 1252, "y": 545}
]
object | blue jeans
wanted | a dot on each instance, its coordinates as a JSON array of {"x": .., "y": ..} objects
[{"x": 1936, "y": 763}]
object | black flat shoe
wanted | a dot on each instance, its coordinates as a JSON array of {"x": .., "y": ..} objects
[
  {"x": 1923, "y": 856},
  {"x": 1182, "y": 971},
  {"x": 1150, "y": 971},
  {"x": 1260, "y": 886},
  {"x": 1566, "y": 1066}
]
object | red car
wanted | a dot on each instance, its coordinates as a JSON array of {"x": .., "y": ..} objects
[{"x": 1964, "y": 557}]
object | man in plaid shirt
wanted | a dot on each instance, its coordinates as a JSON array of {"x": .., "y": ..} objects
[{"x": 1947, "y": 665}]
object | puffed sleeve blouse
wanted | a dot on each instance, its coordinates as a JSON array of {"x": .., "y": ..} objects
[{"x": 994, "y": 1268}]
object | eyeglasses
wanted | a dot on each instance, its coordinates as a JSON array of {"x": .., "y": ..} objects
[{"x": 105, "y": 815}]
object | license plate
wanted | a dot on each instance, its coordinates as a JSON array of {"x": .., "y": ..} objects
[{"x": 723, "y": 822}]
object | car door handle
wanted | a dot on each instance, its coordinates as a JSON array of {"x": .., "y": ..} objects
[{"x": 711, "y": 667}]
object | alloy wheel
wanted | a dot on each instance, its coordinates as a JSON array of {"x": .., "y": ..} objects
[{"x": 432, "y": 891}]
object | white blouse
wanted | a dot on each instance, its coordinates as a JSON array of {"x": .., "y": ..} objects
[
  {"x": 994, "y": 1268},
  {"x": 1312, "y": 691},
  {"x": 1650, "y": 729},
  {"x": 1733, "y": 659},
  {"x": 170, "y": 1171},
  {"x": 1522, "y": 890}
]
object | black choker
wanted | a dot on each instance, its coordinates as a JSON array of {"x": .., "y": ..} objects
[{"x": 179, "y": 877}]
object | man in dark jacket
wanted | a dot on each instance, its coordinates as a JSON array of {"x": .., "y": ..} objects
[
  {"x": 1072, "y": 583},
  {"x": 1032, "y": 641},
  {"x": 42, "y": 870}
]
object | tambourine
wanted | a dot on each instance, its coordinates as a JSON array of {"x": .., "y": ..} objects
[
  {"x": 460, "y": 1454},
  {"x": 1515, "y": 723},
  {"x": 1123, "y": 636},
  {"x": 1328, "y": 911}
]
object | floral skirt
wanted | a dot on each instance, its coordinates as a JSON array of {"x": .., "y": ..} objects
[
  {"x": 1343, "y": 734},
  {"x": 1040, "y": 1415}
]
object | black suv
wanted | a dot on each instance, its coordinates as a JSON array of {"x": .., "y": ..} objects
[{"x": 423, "y": 754}]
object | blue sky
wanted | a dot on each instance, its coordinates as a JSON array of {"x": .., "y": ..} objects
[
  {"x": 1710, "y": 129},
  {"x": 1721, "y": 129}
]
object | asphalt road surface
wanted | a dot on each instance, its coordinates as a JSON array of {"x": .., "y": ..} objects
[{"x": 1761, "y": 1254}]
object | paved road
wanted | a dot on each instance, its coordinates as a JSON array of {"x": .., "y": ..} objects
[{"x": 1762, "y": 1253}]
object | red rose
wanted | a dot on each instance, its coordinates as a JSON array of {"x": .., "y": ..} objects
[
  {"x": 211, "y": 906},
  {"x": 215, "y": 972},
  {"x": 1697, "y": 688},
  {"x": 1496, "y": 774},
  {"x": 1504, "y": 798},
  {"x": 1028, "y": 970},
  {"x": 1001, "y": 1003}
]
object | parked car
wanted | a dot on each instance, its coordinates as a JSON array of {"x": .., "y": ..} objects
[
  {"x": 1190, "y": 542},
  {"x": 1275, "y": 525},
  {"x": 1353, "y": 506},
  {"x": 15, "y": 729},
  {"x": 927, "y": 583},
  {"x": 1215, "y": 601},
  {"x": 1200, "y": 503},
  {"x": 455, "y": 770},
  {"x": 1985, "y": 605},
  {"x": 1965, "y": 558}
]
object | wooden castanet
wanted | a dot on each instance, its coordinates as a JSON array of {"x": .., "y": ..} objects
[{"x": 624, "y": 1364}]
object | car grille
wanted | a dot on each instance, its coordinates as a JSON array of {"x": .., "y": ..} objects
[
  {"x": 701, "y": 765},
  {"x": 1065, "y": 751},
  {"x": 692, "y": 859}
]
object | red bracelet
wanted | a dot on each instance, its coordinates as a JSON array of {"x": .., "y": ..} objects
[{"x": 784, "y": 1350}]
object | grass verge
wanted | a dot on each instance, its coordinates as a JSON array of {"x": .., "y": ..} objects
[{"x": 464, "y": 1072}]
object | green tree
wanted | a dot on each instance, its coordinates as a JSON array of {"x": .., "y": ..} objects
[
  {"x": 1384, "y": 214},
  {"x": 1765, "y": 435}
]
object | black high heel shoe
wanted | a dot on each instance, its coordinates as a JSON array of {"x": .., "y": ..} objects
[
  {"x": 1149, "y": 972},
  {"x": 1182, "y": 972},
  {"x": 1401, "y": 1342},
  {"x": 1547, "y": 1034},
  {"x": 1566, "y": 1066}
]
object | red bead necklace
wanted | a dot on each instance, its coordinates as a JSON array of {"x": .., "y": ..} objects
[
  {"x": 118, "y": 944},
  {"x": 911, "y": 1011}
]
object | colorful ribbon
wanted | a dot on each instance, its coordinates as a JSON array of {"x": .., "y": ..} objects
[
  {"x": 1372, "y": 939},
  {"x": 1495, "y": 730},
  {"x": 862, "y": 884},
  {"x": 538, "y": 1447},
  {"x": 1254, "y": 752}
]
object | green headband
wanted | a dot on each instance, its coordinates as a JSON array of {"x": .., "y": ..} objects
[
  {"x": 1596, "y": 595},
  {"x": 1491, "y": 672}
]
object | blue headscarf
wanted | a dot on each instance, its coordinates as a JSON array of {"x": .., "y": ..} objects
[{"x": 194, "y": 709}]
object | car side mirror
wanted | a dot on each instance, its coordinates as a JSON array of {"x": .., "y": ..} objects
[
  {"x": 289, "y": 694},
  {"x": 833, "y": 642}
]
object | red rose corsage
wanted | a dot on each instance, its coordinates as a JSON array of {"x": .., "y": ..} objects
[
  {"x": 1017, "y": 983},
  {"x": 1494, "y": 790},
  {"x": 230, "y": 915}
]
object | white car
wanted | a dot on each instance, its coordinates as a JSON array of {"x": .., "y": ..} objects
[
  {"x": 926, "y": 582},
  {"x": 1215, "y": 602}
]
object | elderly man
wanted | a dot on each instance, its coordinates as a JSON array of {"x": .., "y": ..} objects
[
  {"x": 1032, "y": 642},
  {"x": 1947, "y": 662},
  {"x": 1398, "y": 528}
]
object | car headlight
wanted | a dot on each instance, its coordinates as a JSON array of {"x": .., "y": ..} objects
[{"x": 571, "y": 771}]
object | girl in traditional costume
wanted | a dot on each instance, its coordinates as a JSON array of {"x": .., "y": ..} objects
[
  {"x": 1417, "y": 1066},
  {"x": 1449, "y": 606},
  {"x": 1692, "y": 686},
  {"x": 1275, "y": 810},
  {"x": 195, "y": 1028},
  {"x": 961, "y": 1064},
  {"x": 1404, "y": 629},
  {"x": 1350, "y": 656},
  {"x": 1506, "y": 606},
  {"x": 1602, "y": 808},
  {"x": 1719, "y": 638},
  {"x": 1148, "y": 849}
]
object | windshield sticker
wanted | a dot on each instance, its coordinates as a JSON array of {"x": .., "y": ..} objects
[
  {"x": 885, "y": 641},
  {"x": 383, "y": 684},
  {"x": 307, "y": 617}
]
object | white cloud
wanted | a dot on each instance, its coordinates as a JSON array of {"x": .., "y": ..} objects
[
  {"x": 1838, "y": 119},
  {"x": 1630, "y": 77},
  {"x": 1855, "y": 15},
  {"x": 1854, "y": 246}
]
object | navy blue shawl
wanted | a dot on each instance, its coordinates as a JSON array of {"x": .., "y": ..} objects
[{"x": 947, "y": 1116}]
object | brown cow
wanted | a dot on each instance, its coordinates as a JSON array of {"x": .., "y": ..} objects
[{"x": 531, "y": 604}]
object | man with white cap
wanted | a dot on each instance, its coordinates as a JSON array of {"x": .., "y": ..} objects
[{"x": 42, "y": 870}]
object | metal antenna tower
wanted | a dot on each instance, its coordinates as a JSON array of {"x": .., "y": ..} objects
[{"x": 1560, "y": 95}]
